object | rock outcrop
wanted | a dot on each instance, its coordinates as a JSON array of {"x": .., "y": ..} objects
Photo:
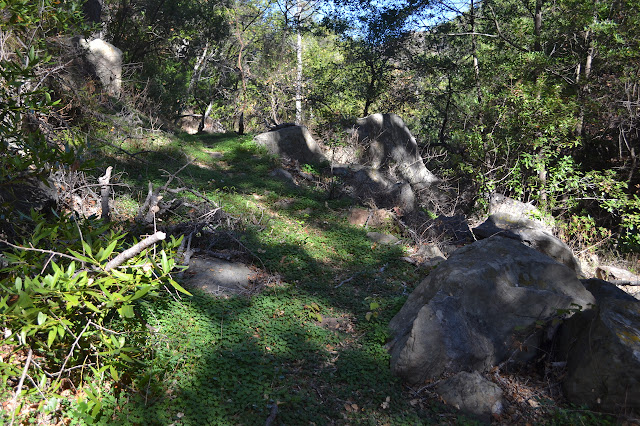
[
  {"x": 293, "y": 142},
  {"x": 369, "y": 184},
  {"x": 105, "y": 61},
  {"x": 391, "y": 148},
  {"x": 479, "y": 308}
]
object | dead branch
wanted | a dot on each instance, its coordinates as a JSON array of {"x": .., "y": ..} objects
[
  {"x": 150, "y": 205},
  {"x": 134, "y": 250},
  {"x": 105, "y": 189},
  {"x": 20, "y": 383}
]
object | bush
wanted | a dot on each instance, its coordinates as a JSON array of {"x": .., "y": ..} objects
[{"x": 68, "y": 300}]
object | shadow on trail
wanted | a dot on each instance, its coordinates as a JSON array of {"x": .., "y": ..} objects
[{"x": 229, "y": 360}]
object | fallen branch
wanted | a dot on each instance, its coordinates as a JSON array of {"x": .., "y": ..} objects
[{"x": 132, "y": 251}]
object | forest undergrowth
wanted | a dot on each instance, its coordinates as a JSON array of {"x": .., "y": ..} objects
[{"x": 304, "y": 346}]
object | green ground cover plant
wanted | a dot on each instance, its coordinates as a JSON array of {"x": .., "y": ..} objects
[{"x": 309, "y": 345}]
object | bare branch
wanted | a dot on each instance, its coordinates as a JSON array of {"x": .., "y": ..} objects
[
  {"x": 24, "y": 374},
  {"x": 134, "y": 250},
  {"x": 40, "y": 251}
]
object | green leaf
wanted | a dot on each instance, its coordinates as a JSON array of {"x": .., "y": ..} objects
[
  {"x": 71, "y": 269},
  {"x": 114, "y": 373},
  {"x": 141, "y": 292},
  {"x": 42, "y": 317},
  {"x": 87, "y": 248},
  {"x": 96, "y": 409},
  {"x": 91, "y": 306},
  {"x": 126, "y": 311},
  {"x": 105, "y": 253},
  {"x": 126, "y": 357},
  {"x": 374, "y": 305},
  {"x": 121, "y": 275},
  {"x": 19, "y": 284},
  {"x": 179, "y": 287},
  {"x": 52, "y": 336},
  {"x": 72, "y": 301},
  {"x": 80, "y": 256},
  {"x": 164, "y": 262}
]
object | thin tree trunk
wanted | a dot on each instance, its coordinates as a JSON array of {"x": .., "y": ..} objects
[
  {"x": 197, "y": 70},
  {"x": 537, "y": 26},
  {"x": 298, "y": 18},
  {"x": 474, "y": 54},
  {"x": 537, "y": 46},
  {"x": 203, "y": 121}
]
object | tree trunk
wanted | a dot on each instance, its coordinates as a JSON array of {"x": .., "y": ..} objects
[
  {"x": 298, "y": 18},
  {"x": 474, "y": 54},
  {"x": 537, "y": 26},
  {"x": 204, "y": 117},
  {"x": 197, "y": 70}
]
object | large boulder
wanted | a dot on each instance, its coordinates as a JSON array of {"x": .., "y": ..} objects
[
  {"x": 105, "y": 61},
  {"x": 470, "y": 311},
  {"x": 391, "y": 148},
  {"x": 604, "y": 362},
  {"x": 294, "y": 142},
  {"x": 529, "y": 232},
  {"x": 369, "y": 184},
  {"x": 602, "y": 349}
]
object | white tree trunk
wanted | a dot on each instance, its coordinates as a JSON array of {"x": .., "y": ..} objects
[{"x": 299, "y": 70}]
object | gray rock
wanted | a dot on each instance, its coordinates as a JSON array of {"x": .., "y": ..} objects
[
  {"x": 430, "y": 251},
  {"x": 447, "y": 230},
  {"x": 472, "y": 394},
  {"x": 499, "y": 204},
  {"x": 603, "y": 359},
  {"x": 618, "y": 276},
  {"x": 379, "y": 238},
  {"x": 294, "y": 142},
  {"x": 283, "y": 175},
  {"x": 603, "y": 290},
  {"x": 391, "y": 148},
  {"x": 466, "y": 314},
  {"x": 106, "y": 61},
  {"x": 529, "y": 233},
  {"x": 217, "y": 277},
  {"x": 366, "y": 184}
]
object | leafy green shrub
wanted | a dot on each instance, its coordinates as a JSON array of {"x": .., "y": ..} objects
[{"x": 67, "y": 298}]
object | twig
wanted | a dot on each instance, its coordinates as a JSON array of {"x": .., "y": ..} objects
[
  {"x": 73, "y": 346},
  {"x": 130, "y": 252},
  {"x": 104, "y": 141},
  {"x": 272, "y": 415},
  {"x": 347, "y": 280},
  {"x": 20, "y": 383},
  {"x": 245, "y": 247},
  {"x": 55, "y": 253},
  {"x": 104, "y": 329}
]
